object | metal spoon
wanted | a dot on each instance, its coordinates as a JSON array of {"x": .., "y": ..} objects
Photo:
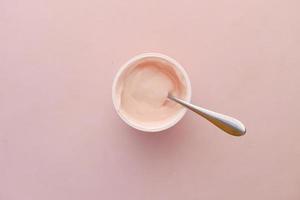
[{"x": 228, "y": 124}]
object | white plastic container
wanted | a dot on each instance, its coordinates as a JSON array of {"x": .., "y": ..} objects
[{"x": 164, "y": 125}]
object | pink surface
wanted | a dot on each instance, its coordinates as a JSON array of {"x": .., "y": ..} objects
[{"x": 60, "y": 137}]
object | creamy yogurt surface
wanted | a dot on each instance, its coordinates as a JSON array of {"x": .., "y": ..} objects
[{"x": 142, "y": 90}]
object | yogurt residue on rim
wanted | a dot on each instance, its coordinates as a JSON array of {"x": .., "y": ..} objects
[{"x": 142, "y": 90}]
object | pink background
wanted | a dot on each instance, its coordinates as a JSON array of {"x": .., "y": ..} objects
[{"x": 61, "y": 139}]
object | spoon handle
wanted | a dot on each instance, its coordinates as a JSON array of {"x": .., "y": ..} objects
[{"x": 228, "y": 124}]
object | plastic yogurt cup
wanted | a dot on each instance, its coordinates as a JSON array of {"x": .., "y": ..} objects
[{"x": 140, "y": 90}]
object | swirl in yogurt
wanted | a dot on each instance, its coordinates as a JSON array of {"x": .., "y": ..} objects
[{"x": 142, "y": 91}]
